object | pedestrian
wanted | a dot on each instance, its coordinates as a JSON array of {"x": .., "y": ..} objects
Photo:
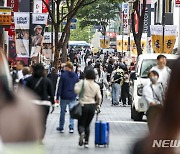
[
  {"x": 19, "y": 67},
  {"x": 101, "y": 79},
  {"x": 109, "y": 70},
  {"x": 19, "y": 120},
  {"x": 53, "y": 76},
  {"x": 125, "y": 91},
  {"x": 166, "y": 128},
  {"x": 26, "y": 74},
  {"x": 79, "y": 73},
  {"x": 163, "y": 70},
  {"x": 116, "y": 80},
  {"x": 90, "y": 99},
  {"x": 42, "y": 87},
  {"x": 154, "y": 95},
  {"x": 67, "y": 96}
]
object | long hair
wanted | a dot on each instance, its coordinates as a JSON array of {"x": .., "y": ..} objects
[{"x": 167, "y": 125}]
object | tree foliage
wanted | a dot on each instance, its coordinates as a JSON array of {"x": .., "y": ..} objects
[{"x": 98, "y": 14}]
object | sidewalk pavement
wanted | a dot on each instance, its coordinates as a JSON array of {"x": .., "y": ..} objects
[{"x": 123, "y": 133}]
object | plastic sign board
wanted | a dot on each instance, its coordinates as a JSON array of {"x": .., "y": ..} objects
[
  {"x": 177, "y": 3},
  {"x": 5, "y": 16}
]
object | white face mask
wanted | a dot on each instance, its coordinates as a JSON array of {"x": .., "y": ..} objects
[{"x": 154, "y": 79}]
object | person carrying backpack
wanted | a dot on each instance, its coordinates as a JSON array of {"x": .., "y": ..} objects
[{"x": 116, "y": 80}]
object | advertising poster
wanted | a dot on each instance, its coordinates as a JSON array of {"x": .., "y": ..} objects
[
  {"x": 169, "y": 38},
  {"x": 47, "y": 46},
  {"x": 21, "y": 20},
  {"x": 37, "y": 30},
  {"x": 38, "y": 6}
]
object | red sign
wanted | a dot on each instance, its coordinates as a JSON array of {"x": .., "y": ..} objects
[
  {"x": 14, "y": 4},
  {"x": 178, "y": 3},
  {"x": 44, "y": 8},
  {"x": 112, "y": 34},
  {"x": 11, "y": 30}
]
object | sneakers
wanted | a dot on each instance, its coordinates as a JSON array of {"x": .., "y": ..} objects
[
  {"x": 60, "y": 130},
  {"x": 71, "y": 131},
  {"x": 86, "y": 145},
  {"x": 81, "y": 139}
]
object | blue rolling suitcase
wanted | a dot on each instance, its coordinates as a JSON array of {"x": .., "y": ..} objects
[{"x": 101, "y": 134}]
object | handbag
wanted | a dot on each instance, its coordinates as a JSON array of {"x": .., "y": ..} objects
[{"x": 76, "y": 111}]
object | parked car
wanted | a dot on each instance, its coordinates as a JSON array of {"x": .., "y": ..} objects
[{"x": 139, "y": 78}]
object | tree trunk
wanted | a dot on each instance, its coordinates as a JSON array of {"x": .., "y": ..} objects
[
  {"x": 138, "y": 45},
  {"x": 57, "y": 49}
]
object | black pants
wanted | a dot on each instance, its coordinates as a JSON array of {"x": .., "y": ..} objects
[
  {"x": 125, "y": 93},
  {"x": 85, "y": 120},
  {"x": 45, "y": 111}
]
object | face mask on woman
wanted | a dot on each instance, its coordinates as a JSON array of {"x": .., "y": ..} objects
[{"x": 154, "y": 79}]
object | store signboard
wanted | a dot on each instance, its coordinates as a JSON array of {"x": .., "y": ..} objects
[{"x": 5, "y": 16}]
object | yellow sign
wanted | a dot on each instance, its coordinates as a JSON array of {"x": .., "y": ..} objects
[
  {"x": 104, "y": 42},
  {"x": 5, "y": 16},
  {"x": 169, "y": 38}
]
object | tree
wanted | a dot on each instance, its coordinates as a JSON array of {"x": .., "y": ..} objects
[
  {"x": 72, "y": 8},
  {"x": 140, "y": 17},
  {"x": 80, "y": 34},
  {"x": 99, "y": 14}
]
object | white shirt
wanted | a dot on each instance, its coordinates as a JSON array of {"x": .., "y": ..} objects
[
  {"x": 164, "y": 75},
  {"x": 20, "y": 75},
  {"x": 154, "y": 93}
]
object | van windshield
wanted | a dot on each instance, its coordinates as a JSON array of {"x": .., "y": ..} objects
[{"x": 147, "y": 64}]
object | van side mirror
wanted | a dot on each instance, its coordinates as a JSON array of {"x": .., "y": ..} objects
[{"x": 133, "y": 76}]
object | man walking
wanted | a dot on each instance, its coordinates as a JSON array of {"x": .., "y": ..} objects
[
  {"x": 67, "y": 95},
  {"x": 163, "y": 70}
]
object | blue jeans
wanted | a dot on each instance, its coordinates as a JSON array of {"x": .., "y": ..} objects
[
  {"x": 115, "y": 93},
  {"x": 63, "y": 106}
]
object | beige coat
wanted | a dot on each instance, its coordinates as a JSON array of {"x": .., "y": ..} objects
[{"x": 92, "y": 93}]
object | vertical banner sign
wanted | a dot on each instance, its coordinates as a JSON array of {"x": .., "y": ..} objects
[
  {"x": 44, "y": 8},
  {"x": 125, "y": 9},
  {"x": 177, "y": 3},
  {"x": 104, "y": 42},
  {"x": 169, "y": 38},
  {"x": 39, "y": 22},
  {"x": 21, "y": 20},
  {"x": 147, "y": 20},
  {"x": 37, "y": 6},
  {"x": 14, "y": 4}
]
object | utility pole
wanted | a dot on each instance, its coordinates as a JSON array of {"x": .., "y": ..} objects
[{"x": 163, "y": 21}]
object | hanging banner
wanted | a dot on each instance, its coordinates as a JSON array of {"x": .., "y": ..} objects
[
  {"x": 44, "y": 8},
  {"x": 170, "y": 38},
  {"x": 125, "y": 9},
  {"x": 170, "y": 34},
  {"x": 37, "y": 6},
  {"x": 21, "y": 20},
  {"x": 104, "y": 42},
  {"x": 147, "y": 20},
  {"x": 14, "y": 4},
  {"x": 37, "y": 30},
  {"x": 122, "y": 44}
]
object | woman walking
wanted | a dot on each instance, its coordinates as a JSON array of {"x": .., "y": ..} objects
[
  {"x": 41, "y": 86},
  {"x": 90, "y": 99}
]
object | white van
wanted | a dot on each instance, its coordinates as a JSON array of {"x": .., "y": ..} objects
[{"x": 139, "y": 79}]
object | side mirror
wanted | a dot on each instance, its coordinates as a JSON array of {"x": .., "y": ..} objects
[{"x": 133, "y": 76}]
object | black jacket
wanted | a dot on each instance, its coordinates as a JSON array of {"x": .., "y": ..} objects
[
  {"x": 44, "y": 90},
  {"x": 53, "y": 77}
]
